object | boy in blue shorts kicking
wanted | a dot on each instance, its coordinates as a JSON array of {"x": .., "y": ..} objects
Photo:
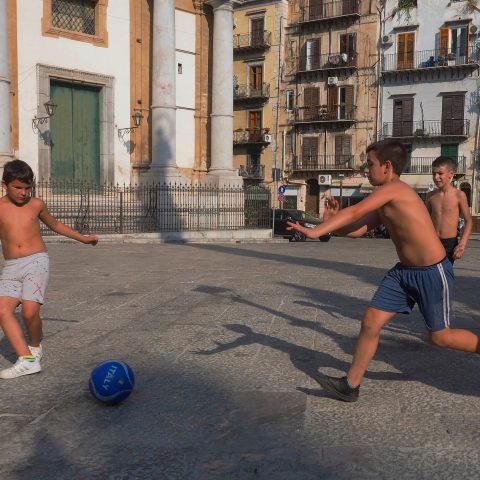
[
  {"x": 25, "y": 274},
  {"x": 424, "y": 275}
]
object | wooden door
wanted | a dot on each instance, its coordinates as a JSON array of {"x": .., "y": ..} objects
[
  {"x": 332, "y": 102},
  {"x": 256, "y": 78},
  {"x": 402, "y": 117},
  {"x": 453, "y": 108},
  {"x": 405, "y": 50},
  {"x": 75, "y": 129},
  {"x": 315, "y": 9},
  {"x": 255, "y": 126},
  {"x": 310, "y": 153},
  {"x": 311, "y": 97},
  {"x": 343, "y": 151},
  {"x": 257, "y": 26},
  {"x": 348, "y": 49}
]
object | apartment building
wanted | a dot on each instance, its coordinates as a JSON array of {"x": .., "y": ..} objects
[
  {"x": 430, "y": 88},
  {"x": 330, "y": 93},
  {"x": 258, "y": 34}
]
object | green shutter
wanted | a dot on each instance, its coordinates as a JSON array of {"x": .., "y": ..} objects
[{"x": 450, "y": 150}]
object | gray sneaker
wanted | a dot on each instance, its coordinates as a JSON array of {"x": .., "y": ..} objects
[
  {"x": 37, "y": 352},
  {"x": 21, "y": 367}
]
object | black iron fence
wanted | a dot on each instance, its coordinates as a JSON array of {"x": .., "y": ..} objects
[
  {"x": 323, "y": 162},
  {"x": 107, "y": 209},
  {"x": 423, "y": 165},
  {"x": 244, "y": 92},
  {"x": 328, "y": 61},
  {"x": 324, "y": 113},
  {"x": 321, "y": 10},
  {"x": 426, "y": 128},
  {"x": 252, "y": 40}
]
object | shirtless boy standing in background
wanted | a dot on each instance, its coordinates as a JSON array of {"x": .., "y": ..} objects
[{"x": 446, "y": 205}]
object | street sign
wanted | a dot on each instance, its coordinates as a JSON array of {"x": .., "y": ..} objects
[
  {"x": 281, "y": 197},
  {"x": 281, "y": 189}
]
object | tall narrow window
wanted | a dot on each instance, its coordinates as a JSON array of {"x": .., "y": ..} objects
[
  {"x": 255, "y": 80},
  {"x": 310, "y": 153},
  {"x": 343, "y": 151},
  {"x": 453, "y": 110},
  {"x": 311, "y": 98},
  {"x": 348, "y": 52},
  {"x": 402, "y": 117},
  {"x": 312, "y": 54},
  {"x": 289, "y": 100},
  {"x": 255, "y": 126}
]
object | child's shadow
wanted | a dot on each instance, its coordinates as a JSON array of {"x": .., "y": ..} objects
[{"x": 6, "y": 350}]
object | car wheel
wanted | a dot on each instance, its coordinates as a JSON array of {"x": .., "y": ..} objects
[{"x": 325, "y": 238}]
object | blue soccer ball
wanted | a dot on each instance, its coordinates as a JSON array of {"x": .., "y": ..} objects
[{"x": 111, "y": 381}]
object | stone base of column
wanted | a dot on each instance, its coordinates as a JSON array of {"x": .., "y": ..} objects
[
  {"x": 223, "y": 178},
  {"x": 161, "y": 175}
]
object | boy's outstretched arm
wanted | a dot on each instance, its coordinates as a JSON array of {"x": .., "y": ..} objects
[
  {"x": 352, "y": 221},
  {"x": 58, "y": 227},
  {"x": 465, "y": 213}
]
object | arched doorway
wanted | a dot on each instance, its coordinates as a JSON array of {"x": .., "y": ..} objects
[{"x": 312, "y": 197}]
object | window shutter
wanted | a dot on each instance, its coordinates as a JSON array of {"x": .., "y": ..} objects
[
  {"x": 343, "y": 150},
  {"x": 310, "y": 151},
  {"x": 443, "y": 44},
  {"x": 311, "y": 97},
  {"x": 349, "y": 103},
  {"x": 315, "y": 60},
  {"x": 332, "y": 102}
]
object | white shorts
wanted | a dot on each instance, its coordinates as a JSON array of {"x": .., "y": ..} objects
[{"x": 26, "y": 278}]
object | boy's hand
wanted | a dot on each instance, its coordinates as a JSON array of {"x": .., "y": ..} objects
[
  {"x": 458, "y": 251},
  {"x": 332, "y": 207},
  {"x": 90, "y": 239}
]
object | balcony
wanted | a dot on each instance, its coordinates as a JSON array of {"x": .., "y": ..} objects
[
  {"x": 246, "y": 94},
  {"x": 426, "y": 129},
  {"x": 315, "y": 163},
  {"x": 466, "y": 59},
  {"x": 252, "y": 172},
  {"x": 251, "y": 42},
  {"x": 252, "y": 136},
  {"x": 322, "y": 114},
  {"x": 328, "y": 62},
  {"x": 423, "y": 165},
  {"x": 329, "y": 12}
]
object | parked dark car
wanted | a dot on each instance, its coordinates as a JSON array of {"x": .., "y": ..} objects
[{"x": 309, "y": 221}]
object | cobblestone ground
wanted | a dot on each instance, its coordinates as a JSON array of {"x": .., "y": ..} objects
[{"x": 225, "y": 341}]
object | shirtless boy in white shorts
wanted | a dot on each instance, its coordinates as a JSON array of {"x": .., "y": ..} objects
[{"x": 24, "y": 278}]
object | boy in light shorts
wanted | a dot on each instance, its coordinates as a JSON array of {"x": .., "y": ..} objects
[{"x": 24, "y": 278}]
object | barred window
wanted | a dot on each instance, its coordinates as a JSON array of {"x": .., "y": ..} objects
[{"x": 74, "y": 15}]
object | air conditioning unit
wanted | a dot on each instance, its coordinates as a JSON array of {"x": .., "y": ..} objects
[
  {"x": 267, "y": 138},
  {"x": 388, "y": 39},
  {"x": 332, "y": 80},
  {"x": 325, "y": 180},
  {"x": 473, "y": 29}
]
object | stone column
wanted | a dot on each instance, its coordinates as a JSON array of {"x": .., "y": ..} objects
[
  {"x": 221, "y": 167},
  {"x": 5, "y": 143},
  {"x": 163, "y": 109}
]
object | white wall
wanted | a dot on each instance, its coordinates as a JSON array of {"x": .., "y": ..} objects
[
  {"x": 185, "y": 88},
  {"x": 113, "y": 61}
]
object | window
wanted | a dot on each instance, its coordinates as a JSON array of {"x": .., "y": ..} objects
[
  {"x": 289, "y": 100},
  {"x": 311, "y": 102},
  {"x": 405, "y": 50},
  {"x": 311, "y": 55},
  {"x": 402, "y": 117},
  {"x": 81, "y": 20},
  {"x": 453, "y": 109},
  {"x": 257, "y": 27},
  {"x": 348, "y": 48},
  {"x": 453, "y": 44},
  {"x": 255, "y": 80}
]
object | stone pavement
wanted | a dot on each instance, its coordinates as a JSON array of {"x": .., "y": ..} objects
[{"x": 225, "y": 341}]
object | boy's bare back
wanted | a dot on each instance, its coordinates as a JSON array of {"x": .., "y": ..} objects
[{"x": 20, "y": 228}]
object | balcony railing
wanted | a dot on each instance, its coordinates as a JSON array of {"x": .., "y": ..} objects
[
  {"x": 329, "y": 61},
  {"x": 255, "y": 172},
  {"x": 329, "y": 10},
  {"x": 252, "y": 136},
  {"x": 426, "y": 128},
  {"x": 252, "y": 41},
  {"x": 249, "y": 92},
  {"x": 339, "y": 113},
  {"x": 423, "y": 165},
  {"x": 425, "y": 59},
  {"x": 323, "y": 162}
]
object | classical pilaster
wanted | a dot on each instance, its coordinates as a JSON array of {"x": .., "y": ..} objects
[
  {"x": 5, "y": 142},
  {"x": 163, "y": 109},
  {"x": 221, "y": 140}
]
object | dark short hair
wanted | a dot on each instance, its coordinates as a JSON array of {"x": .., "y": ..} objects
[
  {"x": 390, "y": 150},
  {"x": 17, "y": 170},
  {"x": 443, "y": 161}
]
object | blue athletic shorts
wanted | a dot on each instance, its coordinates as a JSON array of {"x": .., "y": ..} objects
[{"x": 430, "y": 287}]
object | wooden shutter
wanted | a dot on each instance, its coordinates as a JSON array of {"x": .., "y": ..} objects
[
  {"x": 443, "y": 42},
  {"x": 343, "y": 150},
  {"x": 348, "y": 7},
  {"x": 310, "y": 152},
  {"x": 315, "y": 9},
  {"x": 332, "y": 102},
  {"x": 257, "y": 28},
  {"x": 402, "y": 117},
  {"x": 255, "y": 125},
  {"x": 405, "y": 50},
  {"x": 348, "y": 47},
  {"x": 315, "y": 54},
  {"x": 349, "y": 103},
  {"x": 453, "y": 108},
  {"x": 311, "y": 97},
  {"x": 256, "y": 76}
]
